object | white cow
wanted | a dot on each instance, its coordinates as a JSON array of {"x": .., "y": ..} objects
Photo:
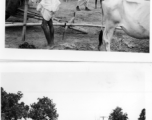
[{"x": 133, "y": 16}]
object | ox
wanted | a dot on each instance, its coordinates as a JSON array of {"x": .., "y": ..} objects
[{"x": 133, "y": 16}]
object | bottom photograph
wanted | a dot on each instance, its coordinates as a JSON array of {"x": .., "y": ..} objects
[{"x": 83, "y": 95}]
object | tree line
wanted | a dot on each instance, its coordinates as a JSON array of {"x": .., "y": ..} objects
[
  {"x": 117, "y": 114},
  {"x": 44, "y": 109}
]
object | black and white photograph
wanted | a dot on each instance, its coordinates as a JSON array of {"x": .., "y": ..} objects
[
  {"x": 45, "y": 92},
  {"x": 77, "y": 29},
  {"x": 76, "y": 25},
  {"x": 75, "y": 60}
]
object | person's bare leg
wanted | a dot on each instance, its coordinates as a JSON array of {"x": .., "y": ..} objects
[
  {"x": 86, "y": 5},
  {"x": 96, "y": 4},
  {"x": 46, "y": 31},
  {"x": 51, "y": 27},
  {"x": 78, "y": 5}
]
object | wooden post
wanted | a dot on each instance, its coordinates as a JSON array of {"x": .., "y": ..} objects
[
  {"x": 70, "y": 22},
  {"x": 103, "y": 117},
  {"x": 25, "y": 20}
]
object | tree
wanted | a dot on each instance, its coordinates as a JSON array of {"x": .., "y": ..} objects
[
  {"x": 142, "y": 115},
  {"x": 43, "y": 109},
  {"x": 3, "y": 100},
  {"x": 24, "y": 109},
  {"x": 117, "y": 114},
  {"x": 11, "y": 107}
]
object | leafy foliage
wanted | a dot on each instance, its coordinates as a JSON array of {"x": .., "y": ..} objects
[
  {"x": 43, "y": 109},
  {"x": 142, "y": 115},
  {"x": 11, "y": 107},
  {"x": 117, "y": 114}
]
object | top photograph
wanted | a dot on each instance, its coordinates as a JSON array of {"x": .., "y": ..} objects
[{"x": 78, "y": 25}]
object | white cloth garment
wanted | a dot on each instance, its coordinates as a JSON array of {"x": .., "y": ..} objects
[{"x": 47, "y": 8}]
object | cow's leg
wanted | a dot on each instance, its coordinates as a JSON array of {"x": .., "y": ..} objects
[
  {"x": 107, "y": 36},
  {"x": 100, "y": 40}
]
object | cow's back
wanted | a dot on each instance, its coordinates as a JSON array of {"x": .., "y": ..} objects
[{"x": 131, "y": 15}]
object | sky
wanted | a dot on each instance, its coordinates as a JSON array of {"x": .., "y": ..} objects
[{"x": 81, "y": 95}]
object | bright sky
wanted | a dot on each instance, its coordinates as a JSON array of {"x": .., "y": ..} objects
[{"x": 82, "y": 95}]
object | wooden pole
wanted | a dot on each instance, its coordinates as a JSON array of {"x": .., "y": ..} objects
[
  {"x": 58, "y": 24},
  {"x": 103, "y": 117},
  {"x": 25, "y": 20},
  {"x": 70, "y": 22},
  {"x": 30, "y": 12}
]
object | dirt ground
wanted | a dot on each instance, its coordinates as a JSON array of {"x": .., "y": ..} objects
[{"x": 74, "y": 40}]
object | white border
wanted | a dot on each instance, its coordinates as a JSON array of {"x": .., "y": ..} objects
[
  {"x": 67, "y": 67},
  {"x": 65, "y": 55}
]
